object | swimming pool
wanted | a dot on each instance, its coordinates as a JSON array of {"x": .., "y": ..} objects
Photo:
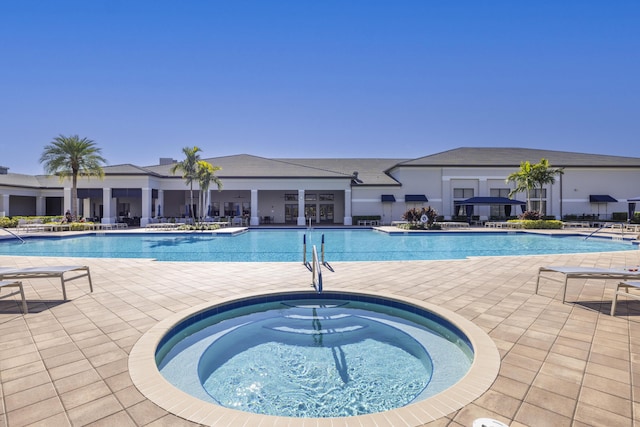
[
  {"x": 287, "y": 245},
  {"x": 421, "y": 328}
]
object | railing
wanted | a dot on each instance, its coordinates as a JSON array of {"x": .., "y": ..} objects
[
  {"x": 13, "y": 234},
  {"x": 612, "y": 226},
  {"x": 316, "y": 271}
]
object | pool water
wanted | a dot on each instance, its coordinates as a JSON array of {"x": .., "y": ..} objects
[
  {"x": 315, "y": 358},
  {"x": 287, "y": 245}
]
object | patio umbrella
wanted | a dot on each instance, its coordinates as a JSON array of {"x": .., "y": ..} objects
[
  {"x": 632, "y": 209},
  {"x": 159, "y": 210}
]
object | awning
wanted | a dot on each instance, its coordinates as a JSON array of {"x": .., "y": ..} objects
[
  {"x": 415, "y": 198},
  {"x": 489, "y": 201},
  {"x": 634, "y": 199},
  {"x": 599, "y": 198},
  {"x": 388, "y": 198}
]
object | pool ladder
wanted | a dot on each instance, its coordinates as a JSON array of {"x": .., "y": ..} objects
[
  {"x": 13, "y": 234},
  {"x": 316, "y": 271}
]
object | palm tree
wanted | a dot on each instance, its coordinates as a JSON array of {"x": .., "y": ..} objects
[
  {"x": 205, "y": 173},
  {"x": 524, "y": 180},
  {"x": 70, "y": 156},
  {"x": 543, "y": 173},
  {"x": 188, "y": 167}
]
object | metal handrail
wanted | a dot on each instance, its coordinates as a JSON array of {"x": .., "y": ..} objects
[
  {"x": 316, "y": 271},
  {"x": 13, "y": 234}
]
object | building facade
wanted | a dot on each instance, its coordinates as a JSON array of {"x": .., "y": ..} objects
[{"x": 333, "y": 191}]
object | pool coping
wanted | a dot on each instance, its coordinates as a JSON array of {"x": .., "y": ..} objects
[{"x": 150, "y": 382}]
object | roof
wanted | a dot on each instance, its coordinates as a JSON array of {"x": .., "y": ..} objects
[
  {"x": 512, "y": 157},
  {"x": 370, "y": 171}
]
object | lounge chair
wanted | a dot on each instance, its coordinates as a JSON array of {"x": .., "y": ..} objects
[
  {"x": 623, "y": 289},
  {"x": 8, "y": 273},
  {"x": 584, "y": 273},
  {"x": 15, "y": 284}
]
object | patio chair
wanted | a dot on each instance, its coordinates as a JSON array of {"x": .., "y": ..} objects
[
  {"x": 15, "y": 284},
  {"x": 574, "y": 272},
  {"x": 8, "y": 273},
  {"x": 623, "y": 289}
]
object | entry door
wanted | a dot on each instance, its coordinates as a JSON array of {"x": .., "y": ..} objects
[
  {"x": 291, "y": 213},
  {"x": 326, "y": 213},
  {"x": 310, "y": 212}
]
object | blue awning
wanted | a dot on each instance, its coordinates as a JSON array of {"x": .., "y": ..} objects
[
  {"x": 489, "y": 201},
  {"x": 415, "y": 198},
  {"x": 601, "y": 198},
  {"x": 388, "y": 198}
]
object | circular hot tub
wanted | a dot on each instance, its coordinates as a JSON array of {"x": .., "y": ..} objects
[{"x": 320, "y": 356}]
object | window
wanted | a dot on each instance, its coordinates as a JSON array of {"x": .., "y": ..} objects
[
  {"x": 462, "y": 193},
  {"x": 310, "y": 197},
  {"x": 326, "y": 197},
  {"x": 535, "y": 193},
  {"x": 291, "y": 197},
  {"x": 499, "y": 192}
]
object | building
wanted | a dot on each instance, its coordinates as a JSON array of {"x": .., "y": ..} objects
[{"x": 333, "y": 191}]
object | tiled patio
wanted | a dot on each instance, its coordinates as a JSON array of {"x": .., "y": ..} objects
[{"x": 66, "y": 362}]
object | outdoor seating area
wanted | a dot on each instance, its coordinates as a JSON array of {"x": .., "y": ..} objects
[
  {"x": 58, "y": 272},
  {"x": 623, "y": 289},
  {"x": 502, "y": 224},
  {"x": 562, "y": 274}
]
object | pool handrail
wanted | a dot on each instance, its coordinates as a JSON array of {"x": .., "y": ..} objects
[
  {"x": 316, "y": 271},
  {"x": 13, "y": 234}
]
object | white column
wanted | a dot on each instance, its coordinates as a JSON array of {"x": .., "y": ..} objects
[
  {"x": 107, "y": 207},
  {"x": 255, "y": 219},
  {"x": 4, "y": 205},
  {"x": 447, "y": 204},
  {"x": 301, "y": 219},
  {"x": 66, "y": 205},
  {"x": 86, "y": 207},
  {"x": 348, "y": 220},
  {"x": 41, "y": 205},
  {"x": 160, "y": 203},
  {"x": 146, "y": 207}
]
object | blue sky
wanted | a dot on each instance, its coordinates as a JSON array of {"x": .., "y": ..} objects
[{"x": 357, "y": 78}]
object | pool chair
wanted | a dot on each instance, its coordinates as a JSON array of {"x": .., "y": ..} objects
[
  {"x": 15, "y": 284},
  {"x": 623, "y": 289},
  {"x": 8, "y": 273},
  {"x": 566, "y": 273}
]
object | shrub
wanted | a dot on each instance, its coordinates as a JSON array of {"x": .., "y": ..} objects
[
  {"x": 8, "y": 222},
  {"x": 415, "y": 216},
  {"x": 541, "y": 224},
  {"x": 530, "y": 215}
]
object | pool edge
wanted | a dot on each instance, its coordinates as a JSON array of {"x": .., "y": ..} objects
[{"x": 148, "y": 380}]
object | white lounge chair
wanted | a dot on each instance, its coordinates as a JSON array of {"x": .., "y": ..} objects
[
  {"x": 8, "y": 273},
  {"x": 623, "y": 289},
  {"x": 15, "y": 284},
  {"x": 573, "y": 272}
]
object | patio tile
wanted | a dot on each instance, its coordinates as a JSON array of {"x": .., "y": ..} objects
[{"x": 555, "y": 356}]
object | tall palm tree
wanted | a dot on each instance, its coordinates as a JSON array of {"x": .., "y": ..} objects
[
  {"x": 523, "y": 180},
  {"x": 543, "y": 173},
  {"x": 205, "y": 173},
  {"x": 188, "y": 167},
  {"x": 70, "y": 156}
]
